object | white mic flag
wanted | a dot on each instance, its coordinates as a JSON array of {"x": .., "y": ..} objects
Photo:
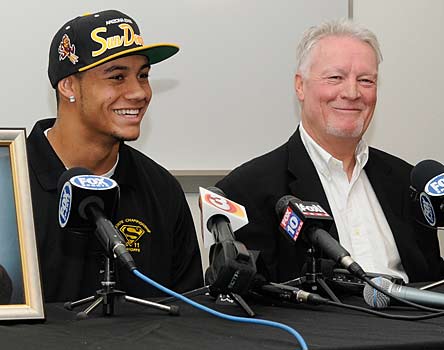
[{"x": 214, "y": 204}]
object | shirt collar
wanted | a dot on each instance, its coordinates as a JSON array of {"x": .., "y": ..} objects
[
  {"x": 324, "y": 161},
  {"x": 109, "y": 173}
]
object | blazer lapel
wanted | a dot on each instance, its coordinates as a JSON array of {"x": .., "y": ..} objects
[
  {"x": 391, "y": 198},
  {"x": 387, "y": 190},
  {"x": 378, "y": 174},
  {"x": 306, "y": 184}
]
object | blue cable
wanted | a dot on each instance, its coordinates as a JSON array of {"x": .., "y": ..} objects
[{"x": 222, "y": 315}]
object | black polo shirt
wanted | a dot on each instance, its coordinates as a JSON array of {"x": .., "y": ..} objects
[{"x": 153, "y": 215}]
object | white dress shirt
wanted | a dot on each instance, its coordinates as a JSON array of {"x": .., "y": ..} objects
[{"x": 362, "y": 226}]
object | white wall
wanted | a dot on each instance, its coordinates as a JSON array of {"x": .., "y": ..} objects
[
  {"x": 231, "y": 79},
  {"x": 410, "y": 109},
  {"x": 192, "y": 199}
]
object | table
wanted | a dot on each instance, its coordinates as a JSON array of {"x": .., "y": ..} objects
[{"x": 135, "y": 327}]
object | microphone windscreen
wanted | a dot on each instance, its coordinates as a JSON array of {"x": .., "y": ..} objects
[
  {"x": 423, "y": 172},
  {"x": 70, "y": 173},
  {"x": 375, "y": 298},
  {"x": 282, "y": 204},
  {"x": 216, "y": 190}
]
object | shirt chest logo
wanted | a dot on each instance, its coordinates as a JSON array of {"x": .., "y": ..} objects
[{"x": 133, "y": 230}]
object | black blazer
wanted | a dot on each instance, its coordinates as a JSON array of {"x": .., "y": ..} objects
[{"x": 261, "y": 182}]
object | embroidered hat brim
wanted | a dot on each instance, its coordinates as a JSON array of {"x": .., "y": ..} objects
[{"x": 155, "y": 53}]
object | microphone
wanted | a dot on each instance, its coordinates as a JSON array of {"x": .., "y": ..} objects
[
  {"x": 232, "y": 265},
  {"x": 427, "y": 188},
  {"x": 216, "y": 211},
  {"x": 285, "y": 293},
  {"x": 85, "y": 202},
  {"x": 312, "y": 221},
  {"x": 378, "y": 300},
  {"x": 219, "y": 224}
]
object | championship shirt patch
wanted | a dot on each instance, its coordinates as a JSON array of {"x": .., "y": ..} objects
[
  {"x": 133, "y": 230},
  {"x": 66, "y": 49}
]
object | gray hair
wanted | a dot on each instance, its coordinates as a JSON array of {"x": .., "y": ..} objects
[{"x": 342, "y": 27}]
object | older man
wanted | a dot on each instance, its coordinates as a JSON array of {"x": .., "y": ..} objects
[{"x": 326, "y": 160}]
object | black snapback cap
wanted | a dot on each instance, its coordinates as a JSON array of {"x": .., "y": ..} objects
[{"x": 92, "y": 39}]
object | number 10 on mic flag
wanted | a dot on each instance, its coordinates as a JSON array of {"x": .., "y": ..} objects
[{"x": 213, "y": 204}]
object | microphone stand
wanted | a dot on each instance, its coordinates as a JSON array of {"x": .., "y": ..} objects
[
  {"x": 227, "y": 259},
  {"x": 231, "y": 298},
  {"x": 222, "y": 298},
  {"x": 313, "y": 279},
  {"x": 108, "y": 294},
  {"x": 432, "y": 285}
]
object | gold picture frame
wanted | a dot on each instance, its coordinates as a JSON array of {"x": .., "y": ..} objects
[{"x": 20, "y": 286}]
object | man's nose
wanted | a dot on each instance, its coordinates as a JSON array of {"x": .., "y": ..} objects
[
  {"x": 351, "y": 90},
  {"x": 138, "y": 90}
]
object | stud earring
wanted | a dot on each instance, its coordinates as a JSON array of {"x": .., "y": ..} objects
[{"x": 72, "y": 99}]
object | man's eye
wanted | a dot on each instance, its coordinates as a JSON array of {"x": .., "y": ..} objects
[
  {"x": 334, "y": 78},
  {"x": 144, "y": 75},
  {"x": 367, "y": 81},
  {"x": 117, "y": 77}
]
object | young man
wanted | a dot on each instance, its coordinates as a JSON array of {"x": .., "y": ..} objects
[
  {"x": 99, "y": 68},
  {"x": 326, "y": 160}
]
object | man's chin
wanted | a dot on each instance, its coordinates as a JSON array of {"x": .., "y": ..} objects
[
  {"x": 343, "y": 132},
  {"x": 124, "y": 138}
]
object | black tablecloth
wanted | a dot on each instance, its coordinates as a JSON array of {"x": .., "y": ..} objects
[{"x": 136, "y": 327}]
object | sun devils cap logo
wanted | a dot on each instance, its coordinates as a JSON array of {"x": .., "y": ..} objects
[
  {"x": 66, "y": 49},
  {"x": 98, "y": 38}
]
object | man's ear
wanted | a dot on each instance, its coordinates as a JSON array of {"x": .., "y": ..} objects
[
  {"x": 67, "y": 88},
  {"x": 299, "y": 86}
]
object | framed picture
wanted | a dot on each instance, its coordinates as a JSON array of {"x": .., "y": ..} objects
[{"x": 20, "y": 288}]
